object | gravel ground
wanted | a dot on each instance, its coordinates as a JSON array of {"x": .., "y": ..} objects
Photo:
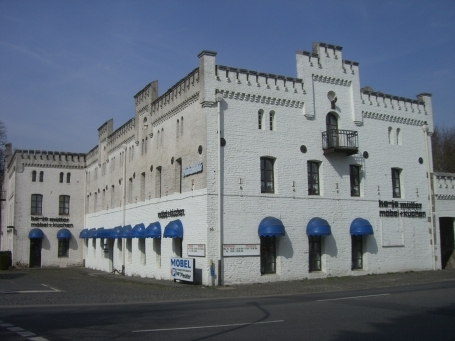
[{"x": 84, "y": 286}]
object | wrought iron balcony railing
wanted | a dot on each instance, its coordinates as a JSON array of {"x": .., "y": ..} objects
[{"x": 340, "y": 141}]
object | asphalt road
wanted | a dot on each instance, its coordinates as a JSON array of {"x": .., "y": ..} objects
[{"x": 423, "y": 311}]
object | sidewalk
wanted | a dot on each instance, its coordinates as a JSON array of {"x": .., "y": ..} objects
[{"x": 62, "y": 286}]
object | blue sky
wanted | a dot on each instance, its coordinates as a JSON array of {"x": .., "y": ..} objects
[{"x": 66, "y": 67}]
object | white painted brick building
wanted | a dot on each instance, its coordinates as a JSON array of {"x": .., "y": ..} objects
[
  {"x": 43, "y": 211},
  {"x": 225, "y": 148}
]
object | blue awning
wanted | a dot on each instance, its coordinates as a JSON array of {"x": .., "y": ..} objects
[
  {"x": 115, "y": 232},
  {"x": 361, "y": 227},
  {"x": 174, "y": 229},
  {"x": 91, "y": 233},
  {"x": 105, "y": 233},
  {"x": 270, "y": 227},
  {"x": 83, "y": 234},
  {"x": 126, "y": 231},
  {"x": 138, "y": 231},
  {"x": 98, "y": 232},
  {"x": 63, "y": 234},
  {"x": 36, "y": 233},
  {"x": 318, "y": 227},
  {"x": 153, "y": 230}
]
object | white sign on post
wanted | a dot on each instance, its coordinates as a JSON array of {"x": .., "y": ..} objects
[
  {"x": 196, "y": 250},
  {"x": 241, "y": 250},
  {"x": 182, "y": 269}
]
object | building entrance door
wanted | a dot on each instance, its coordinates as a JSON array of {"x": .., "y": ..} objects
[
  {"x": 446, "y": 227},
  {"x": 35, "y": 253}
]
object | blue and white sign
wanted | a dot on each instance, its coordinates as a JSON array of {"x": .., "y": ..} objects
[
  {"x": 182, "y": 269},
  {"x": 192, "y": 169}
]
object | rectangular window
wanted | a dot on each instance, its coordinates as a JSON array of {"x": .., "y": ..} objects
[
  {"x": 314, "y": 253},
  {"x": 178, "y": 176},
  {"x": 64, "y": 205},
  {"x": 61, "y": 177},
  {"x": 129, "y": 250},
  {"x": 41, "y": 176},
  {"x": 268, "y": 255},
  {"x": 396, "y": 183},
  {"x": 63, "y": 247},
  {"x": 34, "y": 176},
  {"x": 354, "y": 172},
  {"x": 267, "y": 176},
  {"x": 37, "y": 204},
  {"x": 271, "y": 119},
  {"x": 357, "y": 252},
  {"x": 313, "y": 177},
  {"x": 177, "y": 244},
  {"x": 158, "y": 182},
  {"x": 68, "y": 178},
  {"x": 142, "y": 185}
]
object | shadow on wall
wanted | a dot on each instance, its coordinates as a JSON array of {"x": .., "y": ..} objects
[
  {"x": 372, "y": 244},
  {"x": 45, "y": 243},
  {"x": 331, "y": 246},
  {"x": 286, "y": 250}
]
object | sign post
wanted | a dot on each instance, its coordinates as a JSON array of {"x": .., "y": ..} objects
[{"x": 182, "y": 269}]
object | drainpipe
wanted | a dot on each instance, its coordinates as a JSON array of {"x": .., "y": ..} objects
[
  {"x": 219, "y": 98},
  {"x": 425, "y": 128},
  {"x": 124, "y": 208}
]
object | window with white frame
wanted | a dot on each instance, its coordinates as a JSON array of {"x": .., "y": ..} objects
[
  {"x": 37, "y": 204},
  {"x": 267, "y": 175},
  {"x": 396, "y": 183},
  {"x": 64, "y": 205}
]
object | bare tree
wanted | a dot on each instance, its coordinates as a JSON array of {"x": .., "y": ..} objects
[{"x": 443, "y": 147}]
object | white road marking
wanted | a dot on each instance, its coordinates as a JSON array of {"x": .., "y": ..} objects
[
  {"x": 26, "y": 333},
  {"x": 15, "y": 329},
  {"x": 202, "y": 327},
  {"x": 38, "y": 338},
  {"x": 6, "y": 325},
  {"x": 350, "y": 298},
  {"x": 34, "y": 291}
]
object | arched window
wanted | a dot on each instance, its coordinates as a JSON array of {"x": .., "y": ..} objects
[
  {"x": 68, "y": 178},
  {"x": 162, "y": 137},
  {"x": 158, "y": 139},
  {"x": 34, "y": 176},
  {"x": 272, "y": 120},
  {"x": 181, "y": 125},
  {"x": 61, "y": 177},
  {"x": 398, "y": 136},
  {"x": 41, "y": 176},
  {"x": 178, "y": 129},
  {"x": 390, "y": 135},
  {"x": 260, "y": 118},
  {"x": 331, "y": 123}
]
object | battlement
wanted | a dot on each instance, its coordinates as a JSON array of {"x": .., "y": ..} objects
[
  {"x": 325, "y": 56},
  {"x": 43, "y": 156},
  {"x": 181, "y": 89},
  {"x": 377, "y": 98},
  {"x": 257, "y": 78},
  {"x": 105, "y": 129},
  {"x": 121, "y": 134}
]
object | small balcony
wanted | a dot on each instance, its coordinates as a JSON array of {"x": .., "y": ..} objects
[{"x": 340, "y": 141}]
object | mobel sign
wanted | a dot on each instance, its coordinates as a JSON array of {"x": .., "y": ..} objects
[
  {"x": 51, "y": 222},
  {"x": 406, "y": 209}
]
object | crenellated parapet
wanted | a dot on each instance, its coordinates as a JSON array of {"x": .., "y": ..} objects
[
  {"x": 183, "y": 91},
  {"x": 48, "y": 159},
  {"x": 258, "y": 79},
  {"x": 121, "y": 135}
]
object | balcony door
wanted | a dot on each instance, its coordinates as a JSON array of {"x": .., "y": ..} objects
[{"x": 332, "y": 130}]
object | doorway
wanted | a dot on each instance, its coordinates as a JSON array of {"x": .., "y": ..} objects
[
  {"x": 35, "y": 253},
  {"x": 446, "y": 227}
]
